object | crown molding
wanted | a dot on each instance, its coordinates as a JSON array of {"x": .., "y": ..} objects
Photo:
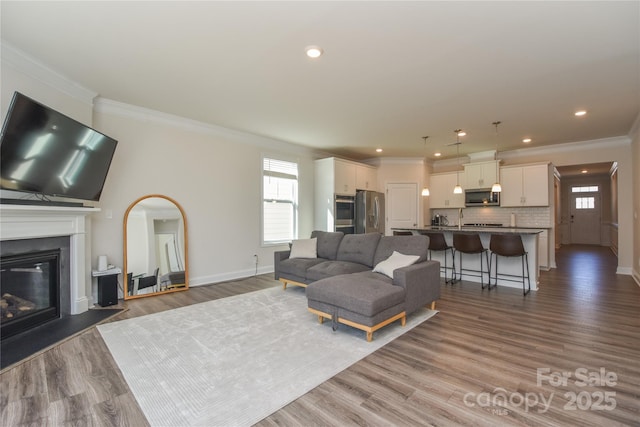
[
  {"x": 30, "y": 66},
  {"x": 396, "y": 161},
  {"x": 616, "y": 141},
  {"x": 121, "y": 109}
]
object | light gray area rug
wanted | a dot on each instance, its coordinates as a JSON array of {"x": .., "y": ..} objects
[{"x": 236, "y": 360}]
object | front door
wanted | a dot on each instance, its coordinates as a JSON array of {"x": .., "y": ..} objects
[
  {"x": 585, "y": 218},
  {"x": 402, "y": 206}
]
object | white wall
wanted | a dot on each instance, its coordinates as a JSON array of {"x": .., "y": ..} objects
[{"x": 215, "y": 175}]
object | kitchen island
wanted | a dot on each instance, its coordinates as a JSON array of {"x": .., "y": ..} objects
[{"x": 507, "y": 265}]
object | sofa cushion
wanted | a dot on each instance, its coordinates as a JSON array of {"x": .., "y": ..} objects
[
  {"x": 408, "y": 245},
  {"x": 298, "y": 266},
  {"x": 304, "y": 248},
  {"x": 333, "y": 268},
  {"x": 359, "y": 248},
  {"x": 370, "y": 275},
  {"x": 396, "y": 260},
  {"x": 328, "y": 243},
  {"x": 365, "y": 297}
]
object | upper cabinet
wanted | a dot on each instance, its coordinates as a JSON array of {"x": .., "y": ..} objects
[
  {"x": 480, "y": 175},
  {"x": 441, "y": 191},
  {"x": 366, "y": 178},
  {"x": 526, "y": 185},
  {"x": 344, "y": 177}
]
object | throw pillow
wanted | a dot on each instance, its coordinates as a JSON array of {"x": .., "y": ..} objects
[
  {"x": 396, "y": 260},
  {"x": 304, "y": 248}
]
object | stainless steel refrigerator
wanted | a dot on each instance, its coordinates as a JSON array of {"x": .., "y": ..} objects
[{"x": 369, "y": 212}]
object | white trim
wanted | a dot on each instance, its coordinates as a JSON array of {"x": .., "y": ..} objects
[
  {"x": 624, "y": 270},
  {"x": 232, "y": 275},
  {"x": 121, "y": 109},
  {"x": 567, "y": 147},
  {"x": 30, "y": 66},
  {"x": 30, "y": 222}
]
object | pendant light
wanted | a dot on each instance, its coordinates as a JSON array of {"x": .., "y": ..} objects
[
  {"x": 425, "y": 190},
  {"x": 497, "y": 188},
  {"x": 457, "y": 189}
]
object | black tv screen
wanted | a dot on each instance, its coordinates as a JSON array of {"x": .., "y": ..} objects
[{"x": 43, "y": 151}]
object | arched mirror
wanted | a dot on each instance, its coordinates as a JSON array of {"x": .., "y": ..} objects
[{"x": 155, "y": 247}]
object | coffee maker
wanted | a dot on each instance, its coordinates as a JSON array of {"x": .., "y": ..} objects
[{"x": 439, "y": 220}]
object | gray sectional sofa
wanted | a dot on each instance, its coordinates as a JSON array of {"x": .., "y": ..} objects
[{"x": 352, "y": 279}]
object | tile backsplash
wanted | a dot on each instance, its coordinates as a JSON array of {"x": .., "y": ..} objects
[{"x": 524, "y": 217}]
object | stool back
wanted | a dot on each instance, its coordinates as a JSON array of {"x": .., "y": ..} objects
[
  {"x": 507, "y": 244},
  {"x": 437, "y": 242},
  {"x": 468, "y": 243}
]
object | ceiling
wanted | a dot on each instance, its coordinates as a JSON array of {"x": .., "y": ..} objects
[{"x": 392, "y": 72}]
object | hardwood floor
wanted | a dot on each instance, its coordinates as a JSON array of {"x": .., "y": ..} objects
[{"x": 482, "y": 348}]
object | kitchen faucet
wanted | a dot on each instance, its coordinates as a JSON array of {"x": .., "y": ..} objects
[{"x": 460, "y": 216}]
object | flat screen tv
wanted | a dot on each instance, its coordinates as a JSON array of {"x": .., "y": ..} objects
[{"x": 43, "y": 151}]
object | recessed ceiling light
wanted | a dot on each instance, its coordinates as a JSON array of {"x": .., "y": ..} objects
[
  {"x": 313, "y": 51},
  {"x": 580, "y": 113},
  {"x": 437, "y": 154},
  {"x": 584, "y": 171},
  {"x": 378, "y": 150},
  {"x": 526, "y": 140}
]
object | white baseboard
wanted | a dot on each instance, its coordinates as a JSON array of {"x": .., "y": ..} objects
[
  {"x": 232, "y": 275},
  {"x": 624, "y": 270}
]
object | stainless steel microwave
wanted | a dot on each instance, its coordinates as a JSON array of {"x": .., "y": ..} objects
[{"x": 481, "y": 197}]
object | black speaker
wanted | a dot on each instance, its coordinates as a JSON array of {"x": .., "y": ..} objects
[{"x": 108, "y": 290}]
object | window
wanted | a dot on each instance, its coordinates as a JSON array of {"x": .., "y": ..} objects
[
  {"x": 279, "y": 201},
  {"x": 585, "y": 189},
  {"x": 585, "y": 203}
]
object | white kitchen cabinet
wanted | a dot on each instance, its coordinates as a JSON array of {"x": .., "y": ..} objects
[
  {"x": 366, "y": 178},
  {"x": 525, "y": 185},
  {"x": 441, "y": 191},
  {"x": 336, "y": 174},
  {"x": 480, "y": 175}
]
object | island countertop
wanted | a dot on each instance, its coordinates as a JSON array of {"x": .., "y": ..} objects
[{"x": 474, "y": 229}]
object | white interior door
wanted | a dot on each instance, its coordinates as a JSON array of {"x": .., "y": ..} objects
[
  {"x": 585, "y": 218},
  {"x": 402, "y": 206}
]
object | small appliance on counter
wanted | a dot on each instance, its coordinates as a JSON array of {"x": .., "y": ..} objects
[{"x": 439, "y": 220}]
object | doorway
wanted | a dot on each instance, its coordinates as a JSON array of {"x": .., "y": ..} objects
[
  {"x": 585, "y": 214},
  {"x": 402, "y": 206}
]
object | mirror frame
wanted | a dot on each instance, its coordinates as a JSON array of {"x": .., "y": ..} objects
[{"x": 186, "y": 250}]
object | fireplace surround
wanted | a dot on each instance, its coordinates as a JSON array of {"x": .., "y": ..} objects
[{"x": 21, "y": 223}]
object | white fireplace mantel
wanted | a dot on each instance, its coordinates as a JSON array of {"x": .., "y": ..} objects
[{"x": 19, "y": 222}]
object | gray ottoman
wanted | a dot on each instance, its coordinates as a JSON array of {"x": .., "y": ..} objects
[{"x": 363, "y": 303}]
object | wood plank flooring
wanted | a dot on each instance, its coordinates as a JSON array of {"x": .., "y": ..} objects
[{"x": 481, "y": 349}]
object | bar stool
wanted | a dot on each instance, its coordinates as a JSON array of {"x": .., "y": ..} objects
[
  {"x": 438, "y": 243},
  {"x": 509, "y": 245},
  {"x": 469, "y": 243}
]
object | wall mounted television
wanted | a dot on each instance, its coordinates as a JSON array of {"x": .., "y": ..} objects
[{"x": 45, "y": 152}]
